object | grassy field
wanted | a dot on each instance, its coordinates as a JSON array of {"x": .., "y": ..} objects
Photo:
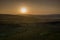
[{"x": 28, "y": 28}]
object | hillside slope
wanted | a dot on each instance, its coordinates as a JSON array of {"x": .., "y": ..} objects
[
  {"x": 15, "y": 27},
  {"x": 28, "y": 19}
]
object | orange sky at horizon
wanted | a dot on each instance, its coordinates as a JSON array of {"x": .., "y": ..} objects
[{"x": 33, "y": 7}]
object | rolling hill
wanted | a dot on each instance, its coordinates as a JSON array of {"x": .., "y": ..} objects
[
  {"x": 28, "y": 19},
  {"x": 29, "y": 27}
]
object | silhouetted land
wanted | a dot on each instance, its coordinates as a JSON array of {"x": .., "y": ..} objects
[{"x": 32, "y": 27}]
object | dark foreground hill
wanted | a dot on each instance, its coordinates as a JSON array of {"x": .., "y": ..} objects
[{"x": 32, "y": 27}]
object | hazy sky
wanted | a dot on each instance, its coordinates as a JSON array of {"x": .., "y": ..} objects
[{"x": 33, "y": 6}]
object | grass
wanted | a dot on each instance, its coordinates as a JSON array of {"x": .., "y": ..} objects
[
  {"x": 30, "y": 31},
  {"x": 14, "y": 27}
]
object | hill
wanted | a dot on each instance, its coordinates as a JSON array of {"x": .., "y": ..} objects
[
  {"x": 29, "y": 27},
  {"x": 28, "y": 18}
]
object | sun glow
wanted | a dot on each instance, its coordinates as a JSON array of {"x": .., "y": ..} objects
[{"x": 23, "y": 10}]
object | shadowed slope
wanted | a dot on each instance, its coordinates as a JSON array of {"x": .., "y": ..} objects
[{"x": 14, "y": 27}]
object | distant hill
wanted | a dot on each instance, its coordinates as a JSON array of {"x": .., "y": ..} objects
[{"x": 7, "y": 18}]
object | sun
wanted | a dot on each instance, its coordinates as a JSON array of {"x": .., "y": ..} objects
[{"x": 23, "y": 10}]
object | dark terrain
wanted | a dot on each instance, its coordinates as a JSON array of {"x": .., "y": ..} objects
[{"x": 31, "y": 27}]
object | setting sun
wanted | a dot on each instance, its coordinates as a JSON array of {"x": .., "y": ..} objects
[{"x": 24, "y": 10}]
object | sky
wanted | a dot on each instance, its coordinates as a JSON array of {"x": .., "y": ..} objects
[{"x": 37, "y": 7}]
